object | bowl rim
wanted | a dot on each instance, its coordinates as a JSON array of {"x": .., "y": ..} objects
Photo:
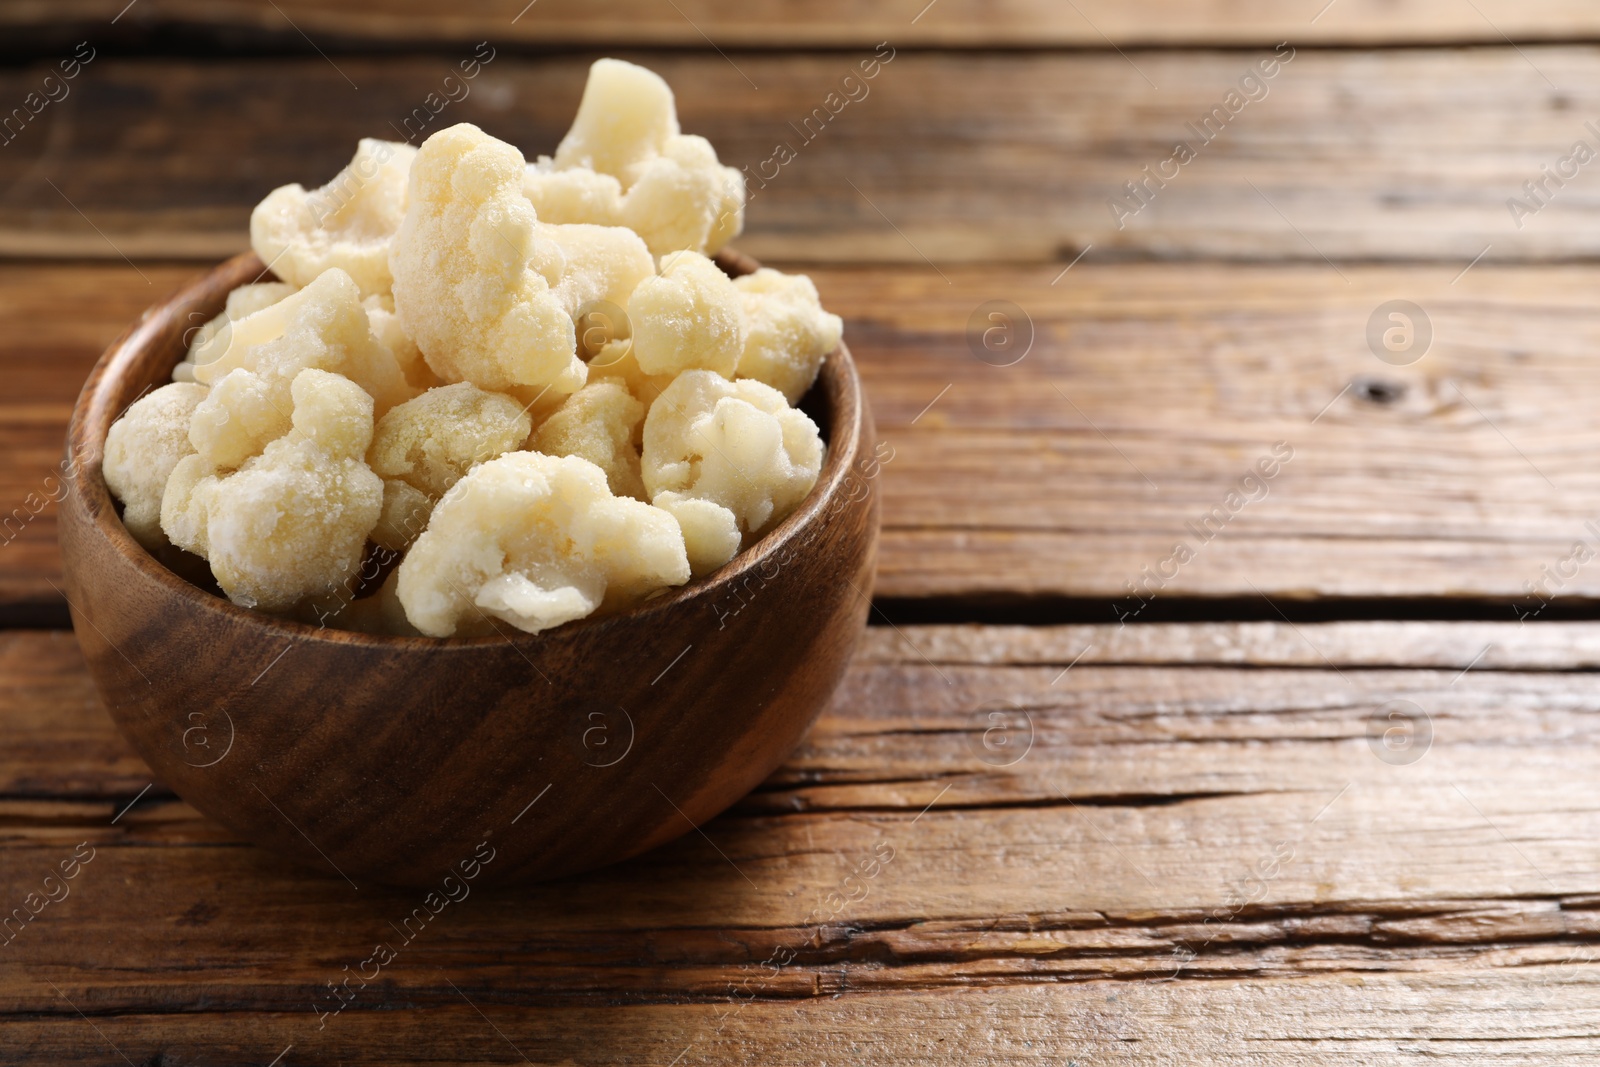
[{"x": 92, "y": 416}]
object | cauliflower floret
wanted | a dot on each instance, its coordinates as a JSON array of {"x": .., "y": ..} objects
[
  {"x": 616, "y": 360},
  {"x": 589, "y": 264},
  {"x": 689, "y": 317},
  {"x": 463, "y": 285},
  {"x": 669, "y": 186},
  {"x": 626, "y": 118},
  {"x": 211, "y": 340},
  {"x": 736, "y": 445},
  {"x": 142, "y": 447},
  {"x": 535, "y": 541},
  {"x": 292, "y": 522},
  {"x": 323, "y": 326},
  {"x": 787, "y": 335},
  {"x": 424, "y": 446},
  {"x": 391, "y": 335},
  {"x": 685, "y": 199},
  {"x": 601, "y": 423},
  {"x": 576, "y": 194},
  {"x": 347, "y": 223}
]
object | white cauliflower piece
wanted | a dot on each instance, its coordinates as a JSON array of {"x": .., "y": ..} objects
[
  {"x": 685, "y": 199},
  {"x": 589, "y": 264},
  {"x": 535, "y": 541},
  {"x": 616, "y": 360},
  {"x": 689, "y": 317},
  {"x": 392, "y": 335},
  {"x": 427, "y": 444},
  {"x": 787, "y": 335},
  {"x": 347, "y": 223},
  {"x": 211, "y": 340},
  {"x": 669, "y": 186},
  {"x": 142, "y": 447},
  {"x": 576, "y": 194},
  {"x": 736, "y": 445},
  {"x": 293, "y": 522},
  {"x": 322, "y": 327},
  {"x": 463, "y": 284},
  {"x": 601, "y": 423}
]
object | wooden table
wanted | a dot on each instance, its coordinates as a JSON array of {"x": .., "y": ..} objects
[{"x": 1318, "y": 788}]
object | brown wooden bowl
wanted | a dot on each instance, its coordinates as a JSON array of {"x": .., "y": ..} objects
[{"x": 394, "y": 759}]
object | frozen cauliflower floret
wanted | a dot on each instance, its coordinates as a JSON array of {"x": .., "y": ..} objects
[
  {"x": 404, "y": 515},
  {"x": 292, "y": 522},
  {"x": 576, "y": 194},
  {"x": 737, "y": 445},
  {"x": 616, "y": 360},
  {"x": 211, "y": 340},
  {"x": 323, "y": 327},
  {"x": 463, "y": 285},
  {"x": 601, "y": 423},
  {"x": 626, "y": 118},
  {"x": 710, "y": 531},
  {"x": 689, "y": 317},
  {"x": 685, "y": 199},
  {"x": 535, "y": 541},
  {"x": 347, "y": 223},
  {"x": 669, "y": 187},
  {"x": 429, "y": 443},
  {"x": 787, "y": 335},
  {"x": 588, "y": 264},
  {"x": 391, "y": 335},
  {"x": 142, "y": 447}
]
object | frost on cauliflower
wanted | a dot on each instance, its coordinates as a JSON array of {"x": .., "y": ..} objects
[
  {"x": 728, "y": 459},
  {"x": 423, "y": 447},
  {"x": 322, "y": 327},
  {"x": 465, "y": 287},
  {"x": 347, "y": 223},
  {"x": 142, "y": 447},
  {"x": 787, "y": 335},
  {"x": 292, "y": 522},
  {"x": 689, "y": 317},
  {"x": 625, "y": 161},
  {"x": 535, "y": 541},
  {"x": 211, "y": 340},
  {"x": 600, "y": 423}
]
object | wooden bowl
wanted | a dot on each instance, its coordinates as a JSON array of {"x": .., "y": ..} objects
[{"x": 404, "y": 760}]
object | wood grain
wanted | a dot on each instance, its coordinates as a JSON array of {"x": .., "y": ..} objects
[
  {"x": 776, "y": 24},
  {"x": 949, "y": 157},
  {"x": 1426, "y": 482},
  {"x": 1461, "y": 884}
]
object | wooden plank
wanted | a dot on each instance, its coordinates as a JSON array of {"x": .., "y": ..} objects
[
  {"x": 1236, "y": 813},
  {"x": 948, "y": 158},
  {"x": 776, "y": 24},
  {"x": 1465, "y": 477},
  {"x": 1540, "y": 1015}
]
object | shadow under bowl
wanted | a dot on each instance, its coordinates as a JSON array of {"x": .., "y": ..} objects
[{"x": 402, "y": 760}]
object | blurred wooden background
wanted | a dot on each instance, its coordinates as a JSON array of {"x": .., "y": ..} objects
[{"x": 1207, "y": 851}]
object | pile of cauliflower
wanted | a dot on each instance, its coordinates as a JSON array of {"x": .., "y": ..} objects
[{"x": 527, "y": 382}]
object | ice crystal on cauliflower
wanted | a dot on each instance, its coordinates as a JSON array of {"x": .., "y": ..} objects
[
  {"x": 535, "y": 541},
  {"x": 142, "y": 447},
  {"x": 292, "y": 522},
  {"x": 347, "y": 223},
  {"x": 735, "y": 445}
]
